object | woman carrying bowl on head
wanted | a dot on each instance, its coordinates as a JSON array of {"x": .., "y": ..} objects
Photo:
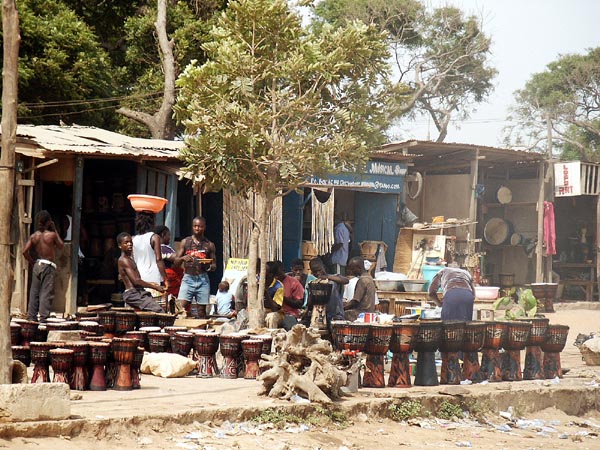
[{"x": 458, "y": 293}]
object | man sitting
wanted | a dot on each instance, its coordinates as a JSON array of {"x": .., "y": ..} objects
[
  {"x": 363, "y": 300},
  {"x": 285, "y": 315}
]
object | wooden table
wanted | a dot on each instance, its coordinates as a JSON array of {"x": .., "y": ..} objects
[{"x": 578, "y": 274}]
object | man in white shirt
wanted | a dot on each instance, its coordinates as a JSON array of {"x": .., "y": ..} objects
[{"x": 340, "y": 248}]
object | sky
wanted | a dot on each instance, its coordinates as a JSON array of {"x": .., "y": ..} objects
[{"x": 526, "y": 36}]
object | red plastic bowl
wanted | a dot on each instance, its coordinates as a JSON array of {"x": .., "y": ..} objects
[{"x": 151, "y": 203}]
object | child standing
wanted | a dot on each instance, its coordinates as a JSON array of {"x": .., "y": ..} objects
[{"x": 225, "y": 301}]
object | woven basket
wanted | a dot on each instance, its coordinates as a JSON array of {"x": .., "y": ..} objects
[{"x": 591, "y": 358}]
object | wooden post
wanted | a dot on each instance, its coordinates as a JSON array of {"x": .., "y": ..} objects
[
  {"x": 473, "y": 202},
  {"x": 10, "y": 31},
  {"x": 539, "y": 248},
  {"x": 71, "y": 304}
]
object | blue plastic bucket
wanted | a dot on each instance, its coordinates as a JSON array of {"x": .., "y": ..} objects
[{"x": 429, "y": 272}]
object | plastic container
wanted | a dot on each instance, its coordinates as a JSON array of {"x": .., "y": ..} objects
[{"x": 429, "y": 272}]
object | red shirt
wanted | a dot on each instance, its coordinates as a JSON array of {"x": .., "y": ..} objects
[{"x": 293, "y": 289}]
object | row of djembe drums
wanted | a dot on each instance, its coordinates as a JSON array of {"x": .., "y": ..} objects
[
  {"x": 543, "y": 343},
  {"x": 102, "y": 362}
]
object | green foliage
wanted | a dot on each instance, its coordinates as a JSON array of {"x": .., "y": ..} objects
[
  {"x": 440, "y": 54},
  {"x": 449, "y": 411},
  {"x": 281, "y": 418},
  {"x": 525, "y": 304},
  {"x": 274, "y": 103},
  {"x": 405, "y": 410},
  {"x": 61, "y": 60},
  {"x": 567, "y": 92},
  {"x": 278, "y": 417}
]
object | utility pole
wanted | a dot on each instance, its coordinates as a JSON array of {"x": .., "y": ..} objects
[
  {"x": 550, "y": 180},
  {"x": 12, "y": 38}
]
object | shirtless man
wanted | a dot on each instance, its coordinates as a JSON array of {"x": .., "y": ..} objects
[
  {"x": 44, "y": 242},
  {"x": 134, "y": 294}
]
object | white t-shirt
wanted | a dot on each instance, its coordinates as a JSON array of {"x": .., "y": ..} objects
[{"x": 145, "y": 259}]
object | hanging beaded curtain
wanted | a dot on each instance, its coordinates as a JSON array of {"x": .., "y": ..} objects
[
  {"x": 237, "y": 226},
  {"x": 322, "y": 223}
]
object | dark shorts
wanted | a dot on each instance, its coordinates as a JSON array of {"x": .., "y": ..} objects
[{"x": 141, "y": 299}]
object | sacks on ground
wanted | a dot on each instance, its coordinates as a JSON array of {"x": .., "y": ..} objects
[
  {"x": 593, "y": 344},
  {"x": 167, "y": 365}
]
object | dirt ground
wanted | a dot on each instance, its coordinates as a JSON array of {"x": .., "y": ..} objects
[{"x": 544, "y": 429}]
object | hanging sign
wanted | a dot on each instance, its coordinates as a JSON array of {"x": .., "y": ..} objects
[
  {"x": 383, "y": 177},
  {"x": 567, "y": 179}
]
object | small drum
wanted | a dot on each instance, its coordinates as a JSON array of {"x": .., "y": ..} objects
[
  {"x": 15, "y": 333},
  {"x": 320, "y": 292},
  {"x": 172, "y": 330},
  {"x": 145, "y": 319},
  {"x": 41, "y": 335},
  {"x": 453, "y": 333},
  {"x": 205, "y": 347},
  {"x": 517, "y": 335},
  {"x": 182, "y": 342},
  {"x": 165, "y": 320},
  {"x": 474, "y": 336},
  {"x": 123, "y": 352},
  {"x": 354, "y": 336},
  {"x": 87, "y": 315},
  {"x": 107, "y": 319},
  {"x": 378, "y": 339},
  {"x": 61, "y": 360},
  {"x": 141, "y": 336},
  {"x": 79, "y": 375},
  {"x": 124, "y": 322},
  {"x": 231, "y": 349},
  {"x": 63, "y": 325},
  {"x": 94, "y": 338},
  {"x": 494, "y": 335},
  {"x": 429, "y": 336},
  {"x": 252, "y": 349},
  {"x": 378, "y": 343},
  {"x": 138, "y": 357},
  {"x": 401, "y": 343},
  {"x": 40, "y": 356},
  {"x": 159, "y": 342},
  {"x": 267, "y": 341},
  {"x": 98, "y": 358},
  {"x": 90, "y": 326},
  {"x": 539, "y": 330},
  {"x": 337, "y": 327},
  {"x": 28, "y": 331},
  {"x": 21, "y": 353},
  {"x": 557, "y": 338},
  {"x": 544, "y": 293}
]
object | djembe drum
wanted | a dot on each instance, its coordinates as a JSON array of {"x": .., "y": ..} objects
[
  {"x": 453, "y": 333},
  {"x": 205, "y": 347},
  {"x": 552, "y": 346},
  {"x": 337, "y": 327},
  {"x": 40, "y": 355},
  {"x": 534, "y": 358},
  {"x": 491, "y": 363},
  {"x": 86, "y": 315},
  {"x": 41, "y": 335},
  {"x": 140, "y": 335},
  {"x": 320, "y": 293},
  {"x": 28, "y": 331},
  {"x": 79, "y": 373},
  {"x": 231, "y": 349},
  {"x": 90, "y": 326},
  {"x": 165, "y": 320},
  {"x": 267, "y": 344},
  {"x": 98, "y": 359},
  {"x": 61, "y": 360},
  {"x": 62, "y": 325},
  {"x": 136, "y": 363},
  {"x": 378, "y": 343},
  {"x": 145, "y": 319},
  {"x": 15, "y": 333},
  {"x": 21, "y": 353},
  {"x": 472, "y": 343},
  {"x": 354, "y": 337},
  {"x": 182, "y": 343},
  {"x": 123, "y": 352},
  {"x": 517, "y": 334},
  {"x": 171, "y": 330},
  {"x": 401, "y": 344},
  {"x": 111, "y": 367},
  {"x": 148, "y": 330},
  {"x": 544, "y": 293},
  {"x": 159, "y": 342},
  {"x": 427, "y": 342},
  {"x": 124, "y": 321},
  {"x": 107, "y": 320},
  {"x": 252, "y": 349}
]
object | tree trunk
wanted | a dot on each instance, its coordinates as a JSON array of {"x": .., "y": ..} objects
[
  {"x": 160, "y": 124},
  {"x": 10, "y": 30}
]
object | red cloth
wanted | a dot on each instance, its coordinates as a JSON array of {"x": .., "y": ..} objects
[
  {"x": 174, "y": 276},
  {"x": 549, "y": 228},
  {"x": 292, "y": 289}
]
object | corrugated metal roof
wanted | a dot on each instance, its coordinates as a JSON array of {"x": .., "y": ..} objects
[{"x": 91, "y": 141}]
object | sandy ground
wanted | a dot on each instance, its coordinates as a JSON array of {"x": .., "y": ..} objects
[{"x": 546, "y": 429}]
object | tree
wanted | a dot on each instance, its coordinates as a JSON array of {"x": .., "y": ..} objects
[
  {"x": 567, "y": 94},
  {"x": 440, "y": 56},
  {"x": 62, "y": 67},
  {"x": 274, "y": 103}
]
